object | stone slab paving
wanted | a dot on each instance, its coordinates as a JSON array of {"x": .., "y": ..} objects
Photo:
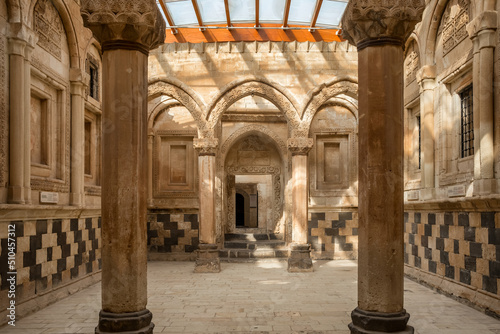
[{"x": 259, "y": 297}]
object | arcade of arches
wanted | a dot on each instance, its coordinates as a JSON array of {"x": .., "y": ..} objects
[{"x": 116, "y": 148}]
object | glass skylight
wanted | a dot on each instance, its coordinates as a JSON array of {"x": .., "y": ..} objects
[
  {"x": 182, "y": 12},
  {"x": 331, "y": 13},
  {"x": 212, "y": 11},
  {"x": 301, "y": 11},
  {"x": 242, "y": 10},
  {"x": 271, "y": 10}
]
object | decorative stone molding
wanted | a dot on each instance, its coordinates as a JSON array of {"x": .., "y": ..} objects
[
  {"x": 483, "y": 27},
  {"x": 453, "y": 24},
  {"x": 48, "y": 27},
  {"x": 206, "y": 146},
  {"x": 379, "y": 22},
  {"x": 116, "y": 24},
  {"x": 300, "y": 146}
]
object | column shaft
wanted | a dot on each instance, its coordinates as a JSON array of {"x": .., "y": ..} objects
[
  {"x": 124, "y": 256},
  {"x": 486, "y": 112},
  {"x": 299, "y": 199},
  {"x": 17, "y": 122},
  {"x": 27, "y": 125},
  {"x": 150, "y": 168},
  {"x": 206, "y": 166},
  {"x": 77, "y": 144},
  {"x": 427, "y": 126},
  {"x": 380, "y": 271}
]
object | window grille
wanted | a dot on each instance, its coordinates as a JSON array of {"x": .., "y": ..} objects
[
  {"x": 94, "y": 81},
  {"x": 467, "y": 123},
  {"x": 419, "y": 143}
]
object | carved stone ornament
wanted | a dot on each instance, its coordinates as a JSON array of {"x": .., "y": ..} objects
[
  {"x": 379, "y": 22},
  {"x": 300, "y": 146},
  {"x": 206, "y": 146},
  {"x": 119, "y": 24}
]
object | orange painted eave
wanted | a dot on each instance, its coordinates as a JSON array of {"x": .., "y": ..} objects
[{"x": 194, "y": 35}]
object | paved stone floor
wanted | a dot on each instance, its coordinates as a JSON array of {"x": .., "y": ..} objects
[{"x": 256, "y": 297}]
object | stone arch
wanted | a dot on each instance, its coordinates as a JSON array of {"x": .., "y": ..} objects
[
  {"x": 248, "y": 130},
  {"x": 245, "y": 87},
  {"x": 319, "y": 96},
  {"x": 432, "y": 23},
  {"x": 69, "y": 28},
  {"x": 158, "y": 109},
  {"x": 184, "y": 95}
]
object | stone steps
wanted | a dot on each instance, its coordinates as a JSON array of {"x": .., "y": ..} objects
[{"x": 246, "y": 247}]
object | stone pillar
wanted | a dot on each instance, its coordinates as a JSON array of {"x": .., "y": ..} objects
[
  {"x": 27, "y": 123},
  {"x": 77, "y": 195},
  {"x": 300, "y": 250},
  {"x": 208, "y": 255},
  {"x": 482, "y": 32},
  {"x": 150, "y": 168},
  {"x": 17, "y": 121},
  {"x": 426, "y": 79},
  {"x": 379, "y": 32},
  {"x": 127, "y": 30}
]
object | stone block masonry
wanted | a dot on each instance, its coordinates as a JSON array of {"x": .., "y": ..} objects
[
  {"x": 458, "y": 247},
  {"x": 54, "y": 257},
  {"x": 172, "y": 236}
]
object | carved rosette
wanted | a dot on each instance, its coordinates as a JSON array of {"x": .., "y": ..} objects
[
  {"x": 300, "y": 146},
  {"x": 206, "y": 146},
  {"x": 380, "y": 22},
  {"x": 119, "y": 24}
]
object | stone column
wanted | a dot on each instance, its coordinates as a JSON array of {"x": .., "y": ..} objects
[
  {"x": 27, "y": 123},
  {"x": 482, "y": 32},
  {"x": 208, "y": 255},
  {"x": 426, "y": 79},
  {"x": 16, "y": 190},
  {"x": 379, "y": 32},
  {"x": 150, "y": 168},
  {"x": 300, "y": 250},
  {"x": 77, "y": 195},
  {"x": 127, "y": 30}
]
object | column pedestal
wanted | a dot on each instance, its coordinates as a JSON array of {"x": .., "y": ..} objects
[
  {"x": 130, "y": 323},
  {"x": 208, "y": 260},
  {"x": 364, "y": 322},
  {"x": 300, "y": 258}
]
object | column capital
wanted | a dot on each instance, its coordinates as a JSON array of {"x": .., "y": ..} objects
[
  {"x": 20, "y": 32},
  {"x": 206, "y": 146},
  {"x": 299, "y": 145},
  {"x": 116, "y": 24},
  {"x": 487, "y": 20},
  {"x": 380, "y": 22},
  {"x": 426, "y": 77}
]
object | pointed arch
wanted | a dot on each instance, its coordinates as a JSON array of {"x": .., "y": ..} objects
[
  {"x": 319, "y": 96},
  {"x": 183, "y": 94},
  {"x": 258, "y": 86},
  {"x": 68, "y": 22},
  {"x": 14, "y": 11}
]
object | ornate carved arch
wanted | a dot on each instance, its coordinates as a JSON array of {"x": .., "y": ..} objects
[
  {"x": 263, "y": 89},
  {"x": 69, "y": 27},
  {"x": 185, "y": 97},
  {"x": 347, "y": 86}
]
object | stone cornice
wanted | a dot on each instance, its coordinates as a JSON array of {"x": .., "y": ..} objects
[
  {"x": 117, "y": 24},
  {"x": 206, "y": 146},
  {"x": 379, "y": 22},
  {"x": 300, "y": 146}
]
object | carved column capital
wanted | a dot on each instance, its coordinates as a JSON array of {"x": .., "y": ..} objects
[
  {"x": 206, "y": 146},
  {"x": 482, "y": 30},
  {"x": 116, "y": 24},
  {"x": 426, "y": 76},
  {"x": 380, "y": 22},
  {"x": 300, "y": 146}
]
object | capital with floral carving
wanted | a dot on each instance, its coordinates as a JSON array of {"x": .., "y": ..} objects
[
  {"x": 117, "y": 24},
  {"x": 206, "y": 146},
  {"x": 300, "y": 145},
  {"x": 379, "y": 22}
]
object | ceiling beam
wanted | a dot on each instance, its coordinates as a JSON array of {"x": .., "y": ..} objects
[
  {"x": 198, "y": 14},
  {"x": 257, "y": 23},
  {"x": 287, "y": 11},
  {"x": 167, "y": 15},
  {"x": 316, "y": 13},
  {"x": 228, "y": 16}
]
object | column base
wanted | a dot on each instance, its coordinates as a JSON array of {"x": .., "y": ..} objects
[
  {"x": 300, "y": 258},
  {"x": 207, "y": 260},
  {"x": 365, "y": 322},
  {"x": 16, "y": 195},
  {"x": 76, "y": 199},
  {"x": 131, "y": 323}
]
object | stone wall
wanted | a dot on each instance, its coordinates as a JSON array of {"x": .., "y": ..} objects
[
  {"x": 456, "y": 252},
  {"x": 54, "y": 257}
]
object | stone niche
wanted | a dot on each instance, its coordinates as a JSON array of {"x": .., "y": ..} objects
[{"x": 253, "y": 170}]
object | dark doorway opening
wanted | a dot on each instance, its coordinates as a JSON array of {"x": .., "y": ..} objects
[{"x": 240, "y": 210}]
